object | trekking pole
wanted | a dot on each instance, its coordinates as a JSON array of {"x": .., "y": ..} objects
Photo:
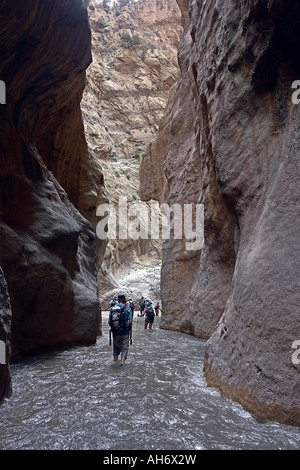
[
  {"x": 110, "y": 337},
  {"x": 130, "y": 335}
]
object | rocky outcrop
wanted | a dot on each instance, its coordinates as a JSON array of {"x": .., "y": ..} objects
[
  {"x": 230, "y": 141},
  {"x": 134, "y": 66},
  {"x": 47, "y": 246}
]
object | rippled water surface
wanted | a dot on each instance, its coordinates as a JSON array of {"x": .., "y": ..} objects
[{"x": 81, "y": 399}]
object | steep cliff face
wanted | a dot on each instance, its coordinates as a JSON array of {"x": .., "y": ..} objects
[
  {"x": 230, "y": 140},
  {"x": 47, "y": 246},
  {"x": 180, "y": 157},
  {"x": 134, "y": 65}
]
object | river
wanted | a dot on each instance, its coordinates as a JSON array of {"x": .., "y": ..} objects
[{"x": 80, "y": 399}]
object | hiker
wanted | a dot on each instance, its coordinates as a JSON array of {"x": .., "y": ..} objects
[
  {"x": 142, "y": 307},
  {"x": 120, "y": 321},
  {"x": 149, "y": 315},
  {"x": 131, "y": 305},
  {"x": 157, "y": 308}
]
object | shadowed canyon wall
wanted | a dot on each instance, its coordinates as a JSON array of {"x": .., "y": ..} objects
[
  {"x": 230, "y": 140},
  {"x": 47, "y": 246}
]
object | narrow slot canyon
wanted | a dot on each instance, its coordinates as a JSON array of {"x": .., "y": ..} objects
[{"x": 150, "y": 148}]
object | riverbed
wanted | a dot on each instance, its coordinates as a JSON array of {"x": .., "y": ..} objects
[{"x": 80, "y": 399}]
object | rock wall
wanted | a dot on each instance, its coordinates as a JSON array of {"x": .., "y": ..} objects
[
  {"x": 47, "y": 246},
  {"x": 230, "y": 140}
]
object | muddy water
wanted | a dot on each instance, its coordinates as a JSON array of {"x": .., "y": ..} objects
[{"x": 81, "y": 399}]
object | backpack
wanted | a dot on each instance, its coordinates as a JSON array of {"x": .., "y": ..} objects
[
  {"x": 150, "y": 314},
  {"x": 131, "y": 305},
  {"x": 117, "y": 319}
]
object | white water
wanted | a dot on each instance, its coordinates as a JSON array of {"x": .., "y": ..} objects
[{"x": 81, "y": 399}]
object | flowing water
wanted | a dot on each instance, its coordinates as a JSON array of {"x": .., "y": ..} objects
[{"x": 80, "y": 399}]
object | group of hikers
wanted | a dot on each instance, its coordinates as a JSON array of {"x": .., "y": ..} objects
[
  {"x": 146, "y": 310},
  {"x": 120, "y": 321}
]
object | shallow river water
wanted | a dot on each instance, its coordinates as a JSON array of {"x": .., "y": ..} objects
[{"x": 80, "y": 399}]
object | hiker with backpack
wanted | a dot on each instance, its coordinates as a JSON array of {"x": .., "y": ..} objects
[
  {"x": 142, "y": 307},
  {"x": 120, "y": 321},
  {"x": 149, "y": 315}
]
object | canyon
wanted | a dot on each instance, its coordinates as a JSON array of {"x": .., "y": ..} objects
[
  {"x": 229, "y": 139},
  {"x": 134, "y": 49},
  {"x": 221, "y": 130},
  {"x": 78, "y": 115},
  {"x": 49, "y": 292}
]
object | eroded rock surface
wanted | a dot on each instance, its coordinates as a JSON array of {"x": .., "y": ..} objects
[
  {"x": 47, "y": 246},
  {"x": 230, "y": 140}
]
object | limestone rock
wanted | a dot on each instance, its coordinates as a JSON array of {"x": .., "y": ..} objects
[
  {"x": 47, "y": 246},
  {"x": 134, "y": 65},
  {"x": 232, "y": 143}
]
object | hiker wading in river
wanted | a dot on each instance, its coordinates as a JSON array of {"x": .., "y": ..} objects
[
  {"x": 149, "y": 315},
  {"x": 120, "y": 321}
]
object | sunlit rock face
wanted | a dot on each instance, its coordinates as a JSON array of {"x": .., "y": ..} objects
[
  {"x": 47, "y": 246},
  {"x": 230, "y": 140}
]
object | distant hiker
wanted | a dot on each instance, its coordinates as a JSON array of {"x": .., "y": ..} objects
[
  {"x": 120, "y": 321},
  {"x": 149, "y": 315},
  {"x": 142, "y": 306},
  {"x": 131, "y": 305},
  {"x": 113, "y": 302},
  {"x": 157, "y": 308}
]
